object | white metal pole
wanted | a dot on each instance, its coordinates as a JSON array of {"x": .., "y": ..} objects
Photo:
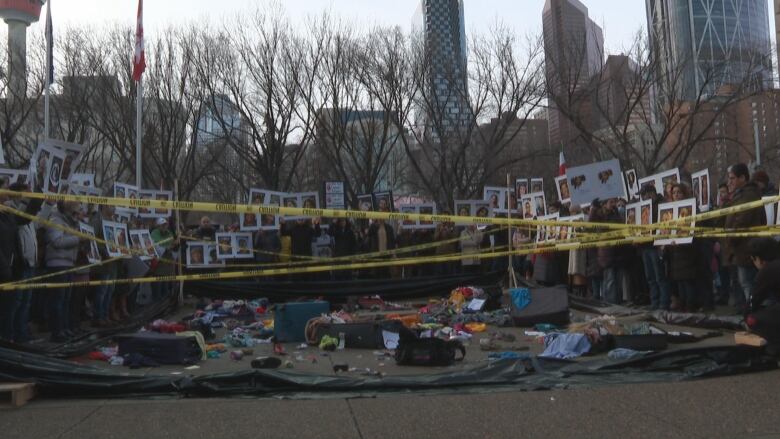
[
  {"x": 139, "y": 132},
  {"x": 758, "y": 142}
]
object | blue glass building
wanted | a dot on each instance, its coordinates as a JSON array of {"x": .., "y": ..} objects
[{"x": 704, "y": 44}]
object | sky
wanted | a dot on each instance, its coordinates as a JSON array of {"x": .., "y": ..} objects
[{"x": 620, "y": 19}]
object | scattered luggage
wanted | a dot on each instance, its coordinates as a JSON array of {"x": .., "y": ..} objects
[
  {"x": 162, "y": 348},
  {"x": 540, "y": 305},
  {"x": 359, "y": 335},
  {"x": 290, "y": 319}
]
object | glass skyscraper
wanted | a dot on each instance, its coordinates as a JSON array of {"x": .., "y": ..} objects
[
  {"x": 441, "y": 25},
  {"x": 703, "y": 44}
]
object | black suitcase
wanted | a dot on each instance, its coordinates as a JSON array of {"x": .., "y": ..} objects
[
  {"x": 548, "y": 305},
  {"x": 360, "y": 335},
  {"x": 162, "y": 348}
]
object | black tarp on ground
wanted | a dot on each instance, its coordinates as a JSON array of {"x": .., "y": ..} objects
[
  {"x": 388, "y": 289},
  {"x": 57, "y": 378},
  {"x": 694, "y": 320}
]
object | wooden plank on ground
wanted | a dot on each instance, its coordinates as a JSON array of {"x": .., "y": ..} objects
[{"x": 15, "y": 395}]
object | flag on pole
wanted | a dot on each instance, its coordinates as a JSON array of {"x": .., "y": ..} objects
[
  {"x": 561, "y": 165},
  {"x": 49, "y": 45},
  {"x": 139, "y": 59}
]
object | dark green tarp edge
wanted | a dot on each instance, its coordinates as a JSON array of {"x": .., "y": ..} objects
[{"x": 63, "y": 379}]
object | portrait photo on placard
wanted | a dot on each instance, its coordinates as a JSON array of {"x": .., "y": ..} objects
[
  {"x": 562, "y": 186},
  {"x": 196, "y": 254},
  {"x": 408, "y": 209},
  {"x": 521, "y": 187},
  {"x": 463, "y": 208},
  {"x": 365, "y": 202},
  {"x": 224, "y": 245},
  {"x": 242, "y": 245},
  {"x": 527, "y": 207},
  {"x": 632, "y": 183},
  {"x": 493, "y": 195},
  {"x": 426, "y": 209},
  {"x": 537, "y": 185},
  {"x": 310, "y": 201},
  {"x": 384, "y": 201},
  {"x": 482, "y": 209}
]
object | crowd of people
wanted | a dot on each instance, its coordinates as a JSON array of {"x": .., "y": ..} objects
[
  {"x": 691, "y": 277},
  {"x": 45, "y": 252}
]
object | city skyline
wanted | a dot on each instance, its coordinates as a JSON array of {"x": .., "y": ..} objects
[{"x": 620, "y": 21}]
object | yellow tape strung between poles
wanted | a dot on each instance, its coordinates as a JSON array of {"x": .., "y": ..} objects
[
  {"x": 327, "y": 268},
  {"x": 361, "y": 256},
  {"x": 80, "y": 234},
  {"x": 333, "y": 213}
]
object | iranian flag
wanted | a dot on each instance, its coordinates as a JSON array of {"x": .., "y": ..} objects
[{"x": 139, "y": 59}]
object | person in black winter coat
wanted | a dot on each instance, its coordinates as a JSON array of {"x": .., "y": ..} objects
[
  {"x": 345, "y": 244},
  {"x": 301, "y": 235},
  {"x": 11, "y": 258}
]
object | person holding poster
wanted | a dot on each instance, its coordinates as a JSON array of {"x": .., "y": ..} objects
[
  {"x": 682, "y": 259},
  {"x": 61, "y": 252}
]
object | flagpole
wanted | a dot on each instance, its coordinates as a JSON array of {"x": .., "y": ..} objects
[
  {"x": 46, "y": 131},
  {"x": 49, "y": 78},
  {"x": 138, "y": 131}
]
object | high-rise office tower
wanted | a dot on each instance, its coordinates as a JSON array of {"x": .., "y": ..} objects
[
  {"x": 574, "y": 51},
  {"x": 704, "y": 44},
  {"x": 441, "y": 26}
]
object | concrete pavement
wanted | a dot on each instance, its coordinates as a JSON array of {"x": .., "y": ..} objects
[{"x": 741, "y": 406}]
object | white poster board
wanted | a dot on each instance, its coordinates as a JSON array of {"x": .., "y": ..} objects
[
  {"x": 93, "y": 256},
  {"x": 700, "y": 182},
  {"x": 128, "y": 191},
  {"x": 234, "y": 245},
  {"x": 632, "y": 183},
  {"x": 603, "y": 180},
  {"x": 661, "y": 181},
  {"x": 116, "y": 237},
  {"x": 420, "y": 209},
  {"x": 562, "y": 186},
  {"x": 142, "y": 244},
  {"x": 305, "y": 200},
  {"x": 201, "y": 254},
  {"x": 477, "y": 208},
  {"x": 673, "y": 211},
  {"x": 533, "y": 205}
]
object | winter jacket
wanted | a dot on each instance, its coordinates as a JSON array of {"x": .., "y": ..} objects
[
  {"x": 445, "y": 233},
  {"x": 345, "y": 242},
  {"x": 61, "y": 248},
  {"x": 735, "y": 249},
  {"x": 373, "y": 237},
  {"x": 301, "y": 237},
  {"x": 11, "y": 259},
  {"x": 267, "y": 242},
  {"x": 681, "y": 262},
  {"x": 469, "y": 245},
  {"x": 767, "y": 285}
]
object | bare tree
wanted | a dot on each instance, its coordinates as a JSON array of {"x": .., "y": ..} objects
[
  {"x": 260, "y": 71},
  {"x": 639, "y": 107}
]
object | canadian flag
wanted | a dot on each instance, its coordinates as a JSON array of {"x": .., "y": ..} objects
[
  {"x": 561, "y": 165},
  {"x": 139, "y": 59}
]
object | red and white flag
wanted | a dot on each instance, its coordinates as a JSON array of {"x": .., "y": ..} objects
[
  {"x": 561, "y": 165},
  {"x": 139, "y": 59}
]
